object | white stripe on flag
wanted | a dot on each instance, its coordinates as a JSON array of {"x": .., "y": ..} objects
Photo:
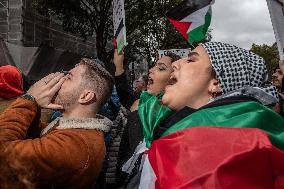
[
  {"x": 197, "y": 18},
  {"x": 148, "y": 177}
]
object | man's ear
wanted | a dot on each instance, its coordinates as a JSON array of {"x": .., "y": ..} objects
[
  {"x": 215, "y": 87},
  {"x": 87, "y": 97}
]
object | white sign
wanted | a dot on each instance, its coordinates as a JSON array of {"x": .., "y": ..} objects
[
  {"x": 181, "y": 52},
  {"x": 119, "y": 24},
  {"x": 276, "y": 10}
]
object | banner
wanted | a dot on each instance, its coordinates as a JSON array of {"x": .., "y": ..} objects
[
  {"x": 181, "y": 52},
  {"x": 276, "y": 10},
  {"x": 119, "y": 24}
]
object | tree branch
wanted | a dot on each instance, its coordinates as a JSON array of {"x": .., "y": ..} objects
[
  {"x": 90, "y": 15},
  {"x": 134, "y": 27},
  {"x": 92, "y": 9},
  {"x": 130, "y": 5}
]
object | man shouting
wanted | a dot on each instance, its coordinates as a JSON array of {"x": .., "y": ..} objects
[{"x": 68, "y": 153}]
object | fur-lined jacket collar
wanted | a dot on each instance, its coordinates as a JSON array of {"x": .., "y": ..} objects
[{"x": 100, "y": 123}]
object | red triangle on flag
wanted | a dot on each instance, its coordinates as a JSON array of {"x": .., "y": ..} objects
[{"x": 182, "y": 27}]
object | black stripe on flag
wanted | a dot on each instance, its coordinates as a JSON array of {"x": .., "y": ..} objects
[
  {"x": 120, "y": 26},
  {"x": 186, "y": 8}
]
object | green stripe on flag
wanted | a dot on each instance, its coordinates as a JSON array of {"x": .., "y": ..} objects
[
  {"x": 151, "y": 114},
  {"x": 238, "y": 115}
]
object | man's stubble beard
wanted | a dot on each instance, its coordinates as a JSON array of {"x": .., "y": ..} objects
[{"x": 67, "y": 99}]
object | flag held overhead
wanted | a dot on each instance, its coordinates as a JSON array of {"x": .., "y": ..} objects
[
  {"x": 119, "y": 25},
  {"x": 192, "y": 19}
]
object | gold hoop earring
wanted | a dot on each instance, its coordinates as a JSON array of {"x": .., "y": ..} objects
[{"x": 214, "y": 94}]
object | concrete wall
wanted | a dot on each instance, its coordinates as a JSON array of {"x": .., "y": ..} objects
[
  {"x": 20, "y": 25},
  {"x": 4, "y": 19}
]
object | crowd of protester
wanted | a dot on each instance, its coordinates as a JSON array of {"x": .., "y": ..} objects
[{"x": 217, "y": 99}]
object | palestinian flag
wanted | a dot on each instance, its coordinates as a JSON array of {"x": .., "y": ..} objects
[
  {"x": 192, "y": 19},
  {"x": 234, "y": 144},
  {"x": 213, "y": 158}
]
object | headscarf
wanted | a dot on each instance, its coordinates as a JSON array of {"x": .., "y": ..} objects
[
  {"x": 11, "y": 82},
  {"x": 241, "y": 72}
]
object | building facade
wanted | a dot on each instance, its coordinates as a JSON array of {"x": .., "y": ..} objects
[
  {"x": 20, "y": 25},
  {"x": 38, "y": 45}
]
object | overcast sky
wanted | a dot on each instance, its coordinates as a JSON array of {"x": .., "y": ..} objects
[{"x": 242, "y": 22}]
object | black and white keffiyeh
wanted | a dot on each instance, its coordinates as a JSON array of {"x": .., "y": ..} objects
[{"x": 237, "y": 68}]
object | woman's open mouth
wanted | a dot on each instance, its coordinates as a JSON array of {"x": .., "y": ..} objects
[
  {"x": 172, "y": 80},
  {"x": 150, "y": 81}
]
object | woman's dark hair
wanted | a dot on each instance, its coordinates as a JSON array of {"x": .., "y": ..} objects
[{"x": 174, "y": 57}]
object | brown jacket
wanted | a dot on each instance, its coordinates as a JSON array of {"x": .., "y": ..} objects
[
  {"x": 64, "y": 158},
  {"x": 45, "y": 113}
]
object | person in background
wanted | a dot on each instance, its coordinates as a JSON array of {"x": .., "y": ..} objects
[
  {"x": 277, "y": 81},
  {"x": 117, "y": 114},
  {"x": 158, "y": 79},
  {"x": 111, "y": 108},
  {"x": 69, "y": 152},
  {"x": 277, "y": 78},
  {"x": 11, "y": 85},
  {"x": 141, "y": 85}
]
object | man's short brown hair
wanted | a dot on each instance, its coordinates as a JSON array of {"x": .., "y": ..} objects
[{"x": 98, "y": 79}]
